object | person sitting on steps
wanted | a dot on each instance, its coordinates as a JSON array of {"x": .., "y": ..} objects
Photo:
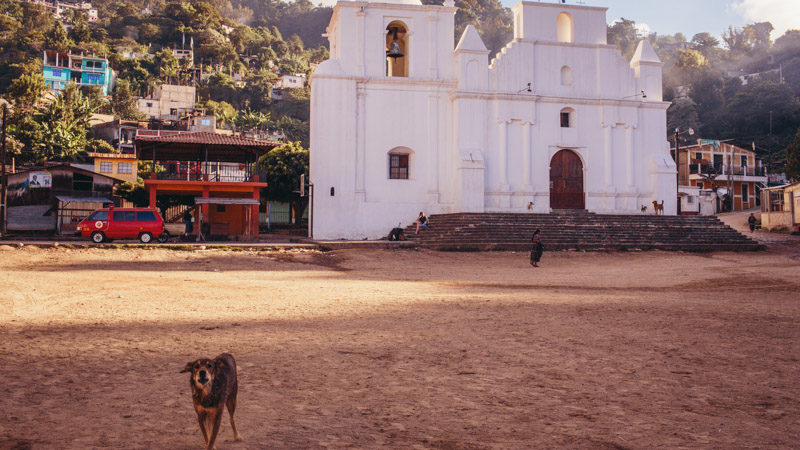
[{"x": 422, "y": 222}]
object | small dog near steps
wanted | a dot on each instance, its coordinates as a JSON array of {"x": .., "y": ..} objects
[
  {"x": 214, "y": 386},
  {"x": 659, "y": 208}
]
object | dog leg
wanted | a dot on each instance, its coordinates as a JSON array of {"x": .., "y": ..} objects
[
  {"x": 216, "y": 416},
  {"x": 201, "y": 418},
  {"x": 231, "y": 404}
]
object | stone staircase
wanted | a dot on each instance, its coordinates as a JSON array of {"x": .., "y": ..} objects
[{"x": 579, "y": 230}]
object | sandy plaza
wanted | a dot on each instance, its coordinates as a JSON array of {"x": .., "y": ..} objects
[{"x": 402, "y": 348}]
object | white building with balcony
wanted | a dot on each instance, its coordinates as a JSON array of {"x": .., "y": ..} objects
[{"x": 402, "y": 122}]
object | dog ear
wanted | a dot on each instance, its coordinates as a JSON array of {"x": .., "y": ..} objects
[{"x": 188, "y": 367}]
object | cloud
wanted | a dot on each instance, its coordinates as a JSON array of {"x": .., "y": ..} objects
[{"x": 783, "y": 14}]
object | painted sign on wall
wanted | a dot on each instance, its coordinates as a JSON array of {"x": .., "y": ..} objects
[{"x": 40, "y": 180}]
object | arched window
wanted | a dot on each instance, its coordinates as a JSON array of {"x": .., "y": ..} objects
[
  {"x": 567, "y": 118},
  {"x": 400, "y": 163},
  {"x": 566, "y": 76},
  {"x": 397, "y": 49},
  {"x": 564, "y": 23}
]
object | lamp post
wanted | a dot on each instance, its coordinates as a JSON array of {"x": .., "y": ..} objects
[{"x": 678, "y": 132}]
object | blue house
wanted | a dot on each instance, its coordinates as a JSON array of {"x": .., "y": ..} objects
[{"x": 60, "y": 69}]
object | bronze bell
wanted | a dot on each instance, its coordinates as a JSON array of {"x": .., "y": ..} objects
[{"x": 394, "y": 50}]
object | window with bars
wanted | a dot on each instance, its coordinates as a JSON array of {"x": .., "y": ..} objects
[
  {"x": 398, "y": 167},
  {"x": 565, "y": 120},
  {"x": 124, "y": 168},
  {"x": 106, "y": 167}
]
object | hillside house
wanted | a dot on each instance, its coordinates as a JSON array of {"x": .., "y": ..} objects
[
  {"x": 61, "y": 68},
  {"x": 725, "y": 169}
]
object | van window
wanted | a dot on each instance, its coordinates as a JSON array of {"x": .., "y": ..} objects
[
  {"x": 124, "y": 216},
  {"x": 99, "y": 215},
  {"x": 145, "y": 216}
]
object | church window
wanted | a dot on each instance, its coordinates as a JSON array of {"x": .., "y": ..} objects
[
  {"x": 564, "y": 24},
  {"x": 567, "y": 118},
  {"x": 397, "y": 49},
  {"x": 398, "y": 166},
  {"x": 566, "y": 76}
]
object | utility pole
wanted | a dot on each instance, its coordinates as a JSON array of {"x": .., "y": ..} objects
[
  {"x": 3, "y": 177},
  {"x": 677, "y": 176}
]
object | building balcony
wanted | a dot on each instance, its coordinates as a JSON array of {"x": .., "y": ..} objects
[
  {"x": 736, "y": 173},
  {"x": 222, "y": 172}
]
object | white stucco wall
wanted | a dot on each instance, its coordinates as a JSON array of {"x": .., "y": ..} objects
[{"x": 477, "y": 139}]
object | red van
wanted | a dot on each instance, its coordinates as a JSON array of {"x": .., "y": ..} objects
[{"x": 107, "y": 224}]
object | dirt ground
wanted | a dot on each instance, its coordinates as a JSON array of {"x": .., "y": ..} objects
[{"x": 402, "y": 349}]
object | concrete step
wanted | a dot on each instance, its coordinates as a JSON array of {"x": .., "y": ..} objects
[{"x": 565, "y": 230}]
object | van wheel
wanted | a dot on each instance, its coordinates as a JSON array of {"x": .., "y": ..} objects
[
  {"x": 98, "y": 237},
  {"x": 145, "y": 238},
  {"x": 163, "y": 237}
]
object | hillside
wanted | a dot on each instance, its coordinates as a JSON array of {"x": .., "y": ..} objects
[{"x": 744, "y": 88}]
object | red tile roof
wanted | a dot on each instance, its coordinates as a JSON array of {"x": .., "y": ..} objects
[{"x": 204, "y": 138}]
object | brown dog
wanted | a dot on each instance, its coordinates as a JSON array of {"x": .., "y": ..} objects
[
  {"x": 214, "y": 386},
  {"x": 658, "y": 208}
]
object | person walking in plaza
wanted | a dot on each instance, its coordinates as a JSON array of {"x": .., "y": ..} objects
[
  {"x": 536, "y": 248},
  {"x": 752, "y": 222}
]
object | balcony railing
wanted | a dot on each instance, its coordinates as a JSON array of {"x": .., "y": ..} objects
[
  {"x": 708, "y": 169},
  {"x": 159, "y": 132},
  {"x": 202, "y": 171}
]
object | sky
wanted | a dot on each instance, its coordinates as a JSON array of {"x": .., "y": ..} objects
[{"x": 695, "y": 16}]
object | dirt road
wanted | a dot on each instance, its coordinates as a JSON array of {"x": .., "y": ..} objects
[{"x": 402, "y": 349}]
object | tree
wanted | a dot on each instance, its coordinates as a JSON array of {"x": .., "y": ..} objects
[
  {"x": 750, "y": 110},
  {"x": 692, "y": 59},
  {"x": 793, "y": 158},
  {"x": 166, "y": 65},
  {"x": 123, "y": 103},
  {"x": 26, "y": 91},
  {"x": 56, "y": 39},
  {"x": 100, "y": 146},
  {"x": 283, "y": 167},
  {"x": 252, "y": 121},
  {"x": 223, "y": 111},
  {"x": 682, "y": 114},
  {"x": 80, "y": 29},
  {"x": 704, "y": 41},
  {"x": 58, "y": 131},
  {"x": 624, "y": 35}
]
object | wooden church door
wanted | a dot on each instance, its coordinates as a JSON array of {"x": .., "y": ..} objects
[{"x": 566, "y": 181}]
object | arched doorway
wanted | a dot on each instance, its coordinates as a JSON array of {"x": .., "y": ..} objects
[{"x": 566, "y": 181}]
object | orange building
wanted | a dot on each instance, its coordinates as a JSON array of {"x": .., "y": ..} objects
[
  {"x": 121, "y": 166},
  {"x": 217, "y": 170},
  {"x": 724, "y": 168}
]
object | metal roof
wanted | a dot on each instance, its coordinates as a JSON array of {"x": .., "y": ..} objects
[
  {"x": 195, "y": 147},
  {"x": 75, "y": 198},
  {"x": 225, "y": 201}
]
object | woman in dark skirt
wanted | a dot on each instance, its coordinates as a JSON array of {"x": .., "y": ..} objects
[{"x": 536, "y": 248}]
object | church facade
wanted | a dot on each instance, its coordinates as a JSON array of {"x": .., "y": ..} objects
[{"x": 403, "y": 122}]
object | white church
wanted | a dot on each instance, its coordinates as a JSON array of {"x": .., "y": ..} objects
[{"x": 402, "y": 122}]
